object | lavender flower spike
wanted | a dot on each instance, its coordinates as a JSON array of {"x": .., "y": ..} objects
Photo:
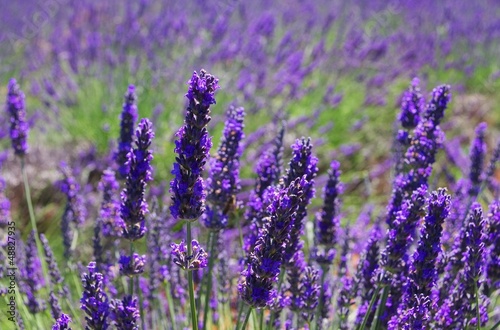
[
  {"x": 19, "y": 128},
  {"x": 33, "y": 276},
  {"x": 327, "y": 220},
  {"x": 224, "y": 179},
  {"x": 125, "y": 313},
  {"x": 412, "y": 104},
  {"x": 493, "y": 246},
  {"x": 62, "y": 323},
  {"x": 109, "y": 213},
  {"x": 94, "y": 301},
  {"x": 477, "y": 153},
  {"x": 198, "y": 260},
  {"x": 127, "y": 124},
  {"x": 132, "y": 265},
  {"x": 192, "y": 147},
  {"x": 134, "y": 207},
  {"x": 264, "y": 263}
]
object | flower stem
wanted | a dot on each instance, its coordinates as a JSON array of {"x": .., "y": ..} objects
[
  {"x": 39, "y": 247},
  {"x": 478, "y": 314},
  {"x": 280, "y": 283},
  {"x": 243, "y": 327},
  {"x": 324, "y": 269},
  {"x": 170, "y": 302},
  {"x": 369, "y": 310},
  {"x": 381, "y": 306},
  {"x": 192, "y": 303},
  {"x": 212, "y": 239}
]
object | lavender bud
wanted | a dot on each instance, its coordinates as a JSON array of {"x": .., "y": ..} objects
[
  {"x": 197, "y": 260},
  {"x": 132, "y": 265},
  {"x": 94, "y": 300},
  {"x": 127, "y": 124},
  {"x": 125, "y": 313},
  {"x": 19, "y": 127}
]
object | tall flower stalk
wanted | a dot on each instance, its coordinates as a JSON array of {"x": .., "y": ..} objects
[{"x": 192, "y": 147}]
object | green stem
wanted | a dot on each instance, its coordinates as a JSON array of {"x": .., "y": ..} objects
[
  {"x": 31, "y": 211},
  {"x": 243, "y": 327},
  {"x": 325, "y": 269},
  {"x": 240, "y": 311},
  {"x": 369, "y": 310},
  {"x": 170, "y": 302},
  {"x": 131, "y": 278},
  {"x": 192, "y": 303},
  {"x": 141, "y": 309},
  {"x": 496, "y": 326},
  {"x": 213, "y": 237},
  {"x": 261, "y": 321},
  {"x": 478, "y": 314},
  {"x": 381, "y": 307}
]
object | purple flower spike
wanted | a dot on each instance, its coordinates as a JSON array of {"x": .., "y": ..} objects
[
  {"x": 19, "y": 128},
  {"x": 111, "y": 222},
  {"x": 224, "y": 180},
  {"x": 134, "y": 207},
  {"x": 198, "y": 260},
  {"x": 127, "y": 124},
  {"x": 132, "y": 265},
  {"x": 327, "y": 220},
  {"x": 477, "y": 153},
  {"x": 33, "y": 276},
  {"x": 94, "y": 300},
  {"x": 125, "y": 313},
  {"x": 264, "y": 262},
  {"x": 415, "y": 318},
  {"x": 4, "y": 205},
  {"x": 192, "y": 147},
  {"x": 71, "y": 188},
  {"x": 412, "y": 104},
  {"x": 493, "y": 246},
  {"x": 62, "y": 323}
]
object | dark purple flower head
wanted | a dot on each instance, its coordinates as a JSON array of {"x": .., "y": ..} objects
[
  {"x": 457, "y": 309},
  {"x": 94, "y": 300},
  {"x": 127, "y": 124},
  {"x": 62, "y": 323},
  {"x": 111, "y": 222},
  {"x": 132, "y": 265},
  {"x": 192, "y": 147},
  {"x": 263, "y": 264},
  {"x": 75, "y": 209},
  {"x": 197, "y": 260},
  {"x": 310, "y": 290},
  {"x": 269, "y": 165},
  {"x": 55, "y": 274},
  {"x": 327, "y": 220},
  {"x": 477, "y": 153},
  {"x": 224, "y": 180},
  {"x": 493, "y": 246},
  {"x": 134, "y": 207},
  {"x": 32, "y": 275},
  {"x": 423, "y": 273},
  {"x": 125, "y": 313},
  {"x": 19, "y": 127},
  {"x": 302, "y": 164},
  {"x": 55, "y": 307},
  {"x": 434, "y": 111},
  {"x": 4, "y": 205},
  {"x": 394, "y": 257},
  {"x": 412, "y": 104},
  {"x": 416, "y": 318}
]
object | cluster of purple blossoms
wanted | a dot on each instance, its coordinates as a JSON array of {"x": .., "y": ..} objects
[
  {"x": 125, "y": 313},
  {"x": 264, "y": 263},
  {"x": 493, "y": 246},
  {"x": 457, "y": 310},
  {"x": 19, "y": 127},
  {"x": 94, "y": 301},
  {"x": 62, "y": 323},
  {"x": 327, "y": 220},
  {"x": 192, "y": 147},
  {"x": 109, "y": 213},
  {"x": 197, "y": 260},
  {"x": 127, "y": 124},
  {"x": 268, "y": 171},
  {"x": 134, "y": 207},
  {"x": 33, "y": 279},
  {"x": 303, "y": 164},
  {"x": 132, "y": 265},
  {"x": 223, "y": 182},
  {"x": 412, "y": 105},
  {"x": 4, "y": 205},
  {"x": 477, "y": 153}
]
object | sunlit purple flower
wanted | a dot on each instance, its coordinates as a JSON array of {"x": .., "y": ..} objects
[
  {"x": 32, "y": 276},
  {"x": 192, "y": 147},
  {"x": 75, "y": 209},
  {"x": 109, "y": 213},
  {"x": 62, "y": 323},
  {"x": 412, "y": 104},
  {"x": 493, "y": 246}
]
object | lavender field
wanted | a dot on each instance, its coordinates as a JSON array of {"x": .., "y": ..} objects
[{"x": 250, "y": 164}]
